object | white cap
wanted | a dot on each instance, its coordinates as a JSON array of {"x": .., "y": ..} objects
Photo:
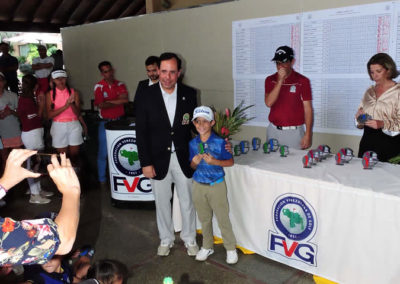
[
  {"x": 204, "y": 112},
  {"x": 59, "y": 74}
]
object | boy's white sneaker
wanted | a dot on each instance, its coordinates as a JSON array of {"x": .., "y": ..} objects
[
  {"x": 203, "y": 254},
  {"x": 231, "y": 256}
]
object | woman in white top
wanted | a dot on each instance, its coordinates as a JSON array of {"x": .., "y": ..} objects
[{"x": 382, "y": 103}]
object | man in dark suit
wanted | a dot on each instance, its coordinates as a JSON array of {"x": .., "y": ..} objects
[
  {"x": 151, "y": 64},
  {"x": 163, "y": 130}
]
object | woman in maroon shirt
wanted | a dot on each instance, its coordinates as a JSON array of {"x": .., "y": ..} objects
[{"x": 30, "y": 111}]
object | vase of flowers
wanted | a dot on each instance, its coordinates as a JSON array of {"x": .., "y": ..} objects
[{"x": 228, "y": 123}]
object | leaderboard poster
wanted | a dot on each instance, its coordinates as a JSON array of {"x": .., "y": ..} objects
[{"x": 332, "y": 48}]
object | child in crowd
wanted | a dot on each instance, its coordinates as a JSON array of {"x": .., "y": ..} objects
[
  {"x": 30, "y": 111},
  {"x": 208, "y": 156},
  {"x": 58, "y": 270},
  {"x": 54, "y": 271},
  {"x": 62, "y": 105},
  {"x": 107, "y": 271},
  {"x": 10, "y": 131},
  {"x": 81, "y": 259}
]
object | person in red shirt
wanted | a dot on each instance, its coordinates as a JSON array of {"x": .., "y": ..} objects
[
  {"x": 110, "y": 95},
  {"x": 30, "y": 110},
  {"x": 288, "y": 95}
]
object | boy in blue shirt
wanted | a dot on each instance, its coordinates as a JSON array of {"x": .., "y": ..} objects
[{"x": 208, "y": 156}]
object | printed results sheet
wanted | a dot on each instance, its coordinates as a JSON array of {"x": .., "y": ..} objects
[{"x": 332, "y": 48}]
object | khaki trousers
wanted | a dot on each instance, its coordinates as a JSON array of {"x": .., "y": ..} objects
[{"x": 209, "y": 199}]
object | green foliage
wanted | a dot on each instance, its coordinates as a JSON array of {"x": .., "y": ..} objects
[
  {"x": 21, "y": 59},
  {"x": 51, "y": 49},
  {"x": 228, "y": 123},
  {"x": 33, "y": 52}
]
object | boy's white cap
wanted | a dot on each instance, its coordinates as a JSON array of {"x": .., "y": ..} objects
[
  {"x": 59, "y": 74},
  {"x": 204, "y": 112}
]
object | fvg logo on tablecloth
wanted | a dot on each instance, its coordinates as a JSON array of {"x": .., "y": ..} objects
[
  {"x": 126, "y": 162},
  {"x": 295, "y": 225}
]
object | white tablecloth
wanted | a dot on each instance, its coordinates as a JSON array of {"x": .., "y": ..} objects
[
  {"x": 346, "y": 228},
  {"x": 355, "y": 226}
]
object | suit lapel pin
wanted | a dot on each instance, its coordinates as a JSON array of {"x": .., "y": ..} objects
[
  {"x": 185, "y": 119},
  {"x": 183, "y": 98}
]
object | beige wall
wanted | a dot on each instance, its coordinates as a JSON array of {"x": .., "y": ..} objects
[{"x": 203, "y": 38}]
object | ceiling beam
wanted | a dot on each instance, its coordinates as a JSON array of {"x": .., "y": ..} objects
[
  {"x": 130, "y": 11},
  {"x": 14, "y": 8},
  {"x": 32, "y": 12},
  {"x": 141, "y": 11},
  {"x": 64, "y": 10},
  {"x": 117, "y": 9},
  {"x": 81, "y": 13},
  {"x": 99, "y": 11},
  {"x": 30, "y": 27},
  {"x": 51, "y": 15}
]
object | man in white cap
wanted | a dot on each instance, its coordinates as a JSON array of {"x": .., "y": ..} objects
[{"x": 288, "y": 95}]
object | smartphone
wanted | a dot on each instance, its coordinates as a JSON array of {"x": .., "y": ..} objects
[{"x": 39, "y": 162}]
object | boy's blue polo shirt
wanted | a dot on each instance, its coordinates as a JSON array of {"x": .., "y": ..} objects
[{"x": 214, "y": 146}]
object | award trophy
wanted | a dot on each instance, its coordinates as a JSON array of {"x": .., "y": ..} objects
[
  {"x": 236, "y": 150},
  {"x": 307, "y": 161},
  {"x": 244, "y": 146},
  {"x": 344, "y": 156},
  {"x": 266, "y": 148},
  {"x": 315, "y": 156},
  {"x": 363, "y": 118},
  {"x": 325, "y": 151},
  {"x": 274, "y": 144},
  {"x": 256, "y": 142},
  {"x": 369, "y": 159},
  {"x": 284, "y": 150},
  {"x": 200, "y": 147}
]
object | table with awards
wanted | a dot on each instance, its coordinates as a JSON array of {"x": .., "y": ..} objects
[{"x": 335, "y": 221}]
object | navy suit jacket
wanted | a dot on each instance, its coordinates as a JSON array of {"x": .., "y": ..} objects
[
  {"x": 154, "y": 133},
  {"x": 141, "y": 87}
]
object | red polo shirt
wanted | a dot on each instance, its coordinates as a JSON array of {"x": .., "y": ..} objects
[
  {"x": 288, "y": 109},
  {"x": 104, "y": 92}
]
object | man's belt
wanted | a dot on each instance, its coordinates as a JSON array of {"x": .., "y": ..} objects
[{"x": 286, "y": 127}]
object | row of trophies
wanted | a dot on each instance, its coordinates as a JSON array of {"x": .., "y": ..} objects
[
  {"x": 272, "y": 145},
  {"x": 316, "y": 156},
  {"x": 343, "y": 156}
]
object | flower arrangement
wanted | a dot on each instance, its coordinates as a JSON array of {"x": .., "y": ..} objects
[
  {"x": 228, "y": 123},
  {"x": 395, "y": 160}
]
